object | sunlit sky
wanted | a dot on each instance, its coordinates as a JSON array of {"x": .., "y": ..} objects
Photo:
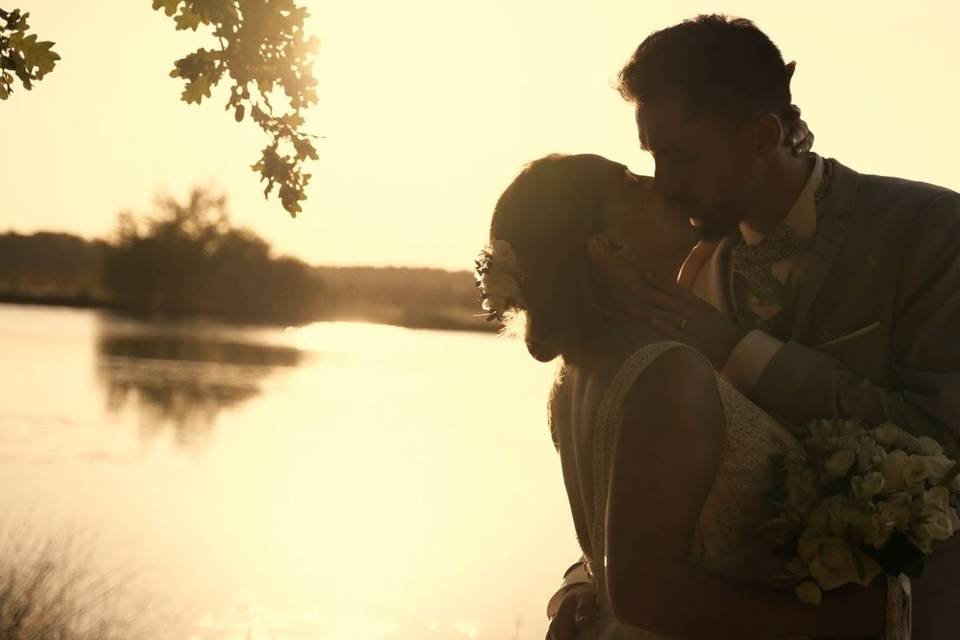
[{"x": 429, "y": 107}]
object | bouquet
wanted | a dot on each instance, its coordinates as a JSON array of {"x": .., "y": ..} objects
[{"x": 855, "y": 502}]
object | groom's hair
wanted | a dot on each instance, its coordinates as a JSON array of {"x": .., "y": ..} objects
[{"x": 718, "y": 63}]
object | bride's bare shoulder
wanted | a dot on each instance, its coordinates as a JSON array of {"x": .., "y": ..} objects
[{"x": 680, "y": 385}]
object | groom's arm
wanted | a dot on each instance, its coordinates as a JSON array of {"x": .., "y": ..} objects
[{"x": 799, "y": 383}]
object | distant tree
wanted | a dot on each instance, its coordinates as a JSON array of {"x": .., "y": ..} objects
[
  {"x": 157, "y": 264},
  {"x": 187, "y": 259},
  {"x": 28, "y": 58},
  {"x": 262, "y": 49}
]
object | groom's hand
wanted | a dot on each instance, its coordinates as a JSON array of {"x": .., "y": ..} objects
[{"x": 677, "y": 314}]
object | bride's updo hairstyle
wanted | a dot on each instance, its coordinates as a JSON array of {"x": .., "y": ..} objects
[{"x": 546, "y": 216}]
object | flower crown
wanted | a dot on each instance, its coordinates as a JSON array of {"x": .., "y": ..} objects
[{"x": 498, "y": 278}]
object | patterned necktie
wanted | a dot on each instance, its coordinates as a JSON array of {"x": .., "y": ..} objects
[
  {"x": 754, "y": 273},
  {"x": 753, "y": 266}
]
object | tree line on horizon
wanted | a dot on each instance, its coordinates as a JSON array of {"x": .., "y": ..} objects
[{"x": 187, "y": 259}]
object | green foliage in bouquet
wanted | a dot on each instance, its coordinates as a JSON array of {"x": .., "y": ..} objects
[
  {"x": 263, "y": 50},
  {"x": 856, "y": 502},
  {"x": 28, "y": 58}
]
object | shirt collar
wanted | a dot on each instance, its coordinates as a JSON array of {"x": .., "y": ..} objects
[{"x": 802, "y": 216}]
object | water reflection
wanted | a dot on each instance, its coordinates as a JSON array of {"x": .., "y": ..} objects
[
  {"x": 182, "y": 376},
  {"x": 357, "y": 494}
]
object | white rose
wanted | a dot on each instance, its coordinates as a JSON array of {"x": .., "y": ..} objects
[
  {"x": 893, "y": 468},
  {"x": 915, "y": 473},
  {"x": 499, "y": 284},
  {"x": 839, "y": 463},
  {"x": 887, "y": 434},
  {"x": 940, "y": 521},
  {"x": 896, "y": 511},
  {"x": 869, "y": 454},
  {"x": 940, "y": 524},
  {"x": 938, "y": 497},
  {"x": 809, "y": 592},
  {"x": 833, "y": 562},
  {"x": 937, "y": 467},
  {"x": 928, "y": 446},
  {"x": 868, "y": 486},
  {"x": 877, "y": 530},
  {"x": 909, "y": 442}
]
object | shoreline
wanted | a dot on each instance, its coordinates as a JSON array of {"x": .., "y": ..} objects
[{"x": 385, "y": 316}]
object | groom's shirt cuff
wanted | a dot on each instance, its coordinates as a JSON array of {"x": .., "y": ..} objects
[{"x": 749, "y": 358}]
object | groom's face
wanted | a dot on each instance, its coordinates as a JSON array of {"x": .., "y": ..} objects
[{"x": 703, "y": 163}]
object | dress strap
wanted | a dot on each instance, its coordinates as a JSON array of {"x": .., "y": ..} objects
[{"x": 607, "y": 423}]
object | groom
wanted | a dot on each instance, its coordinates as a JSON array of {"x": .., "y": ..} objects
[{"x": 818, "y": 291}]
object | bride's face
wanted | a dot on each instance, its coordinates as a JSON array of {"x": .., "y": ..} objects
[{"x": 654, "y": 234}]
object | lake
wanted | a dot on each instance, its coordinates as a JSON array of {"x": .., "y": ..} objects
[{"x": 337, "y": 480}]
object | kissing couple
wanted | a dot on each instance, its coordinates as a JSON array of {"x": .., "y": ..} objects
[{"x": 702, "y": 317}]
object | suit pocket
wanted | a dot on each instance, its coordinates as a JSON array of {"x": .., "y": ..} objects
[{"x": 846, "y": 337}]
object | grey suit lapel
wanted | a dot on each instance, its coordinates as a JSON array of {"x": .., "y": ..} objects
[{"x": 831, "y": 230}]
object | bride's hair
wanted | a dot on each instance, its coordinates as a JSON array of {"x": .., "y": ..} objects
[{"x": 547, "y": 215}]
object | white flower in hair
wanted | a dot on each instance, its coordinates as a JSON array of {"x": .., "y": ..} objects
[{"x": 498, "y": 277}]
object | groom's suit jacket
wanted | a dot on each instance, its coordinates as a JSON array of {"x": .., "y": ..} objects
[
  {"x": 875, "y": 324},
  {"x": 874, "y": 332}
]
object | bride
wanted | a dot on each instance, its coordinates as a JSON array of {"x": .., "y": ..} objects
[{"x": 666, "y": 466}]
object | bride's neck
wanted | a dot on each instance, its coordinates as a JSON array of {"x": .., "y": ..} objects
[
  {"x": 613, "y": 334},
  {"x": 611, "y": 328}
]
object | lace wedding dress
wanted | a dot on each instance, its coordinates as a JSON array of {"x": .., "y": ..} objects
[{"x": 725, "y": 540}]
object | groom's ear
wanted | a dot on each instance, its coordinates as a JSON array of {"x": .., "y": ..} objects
[
  {"x": 790, "y": 68},
  {"x": 768, "y": 134}
]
